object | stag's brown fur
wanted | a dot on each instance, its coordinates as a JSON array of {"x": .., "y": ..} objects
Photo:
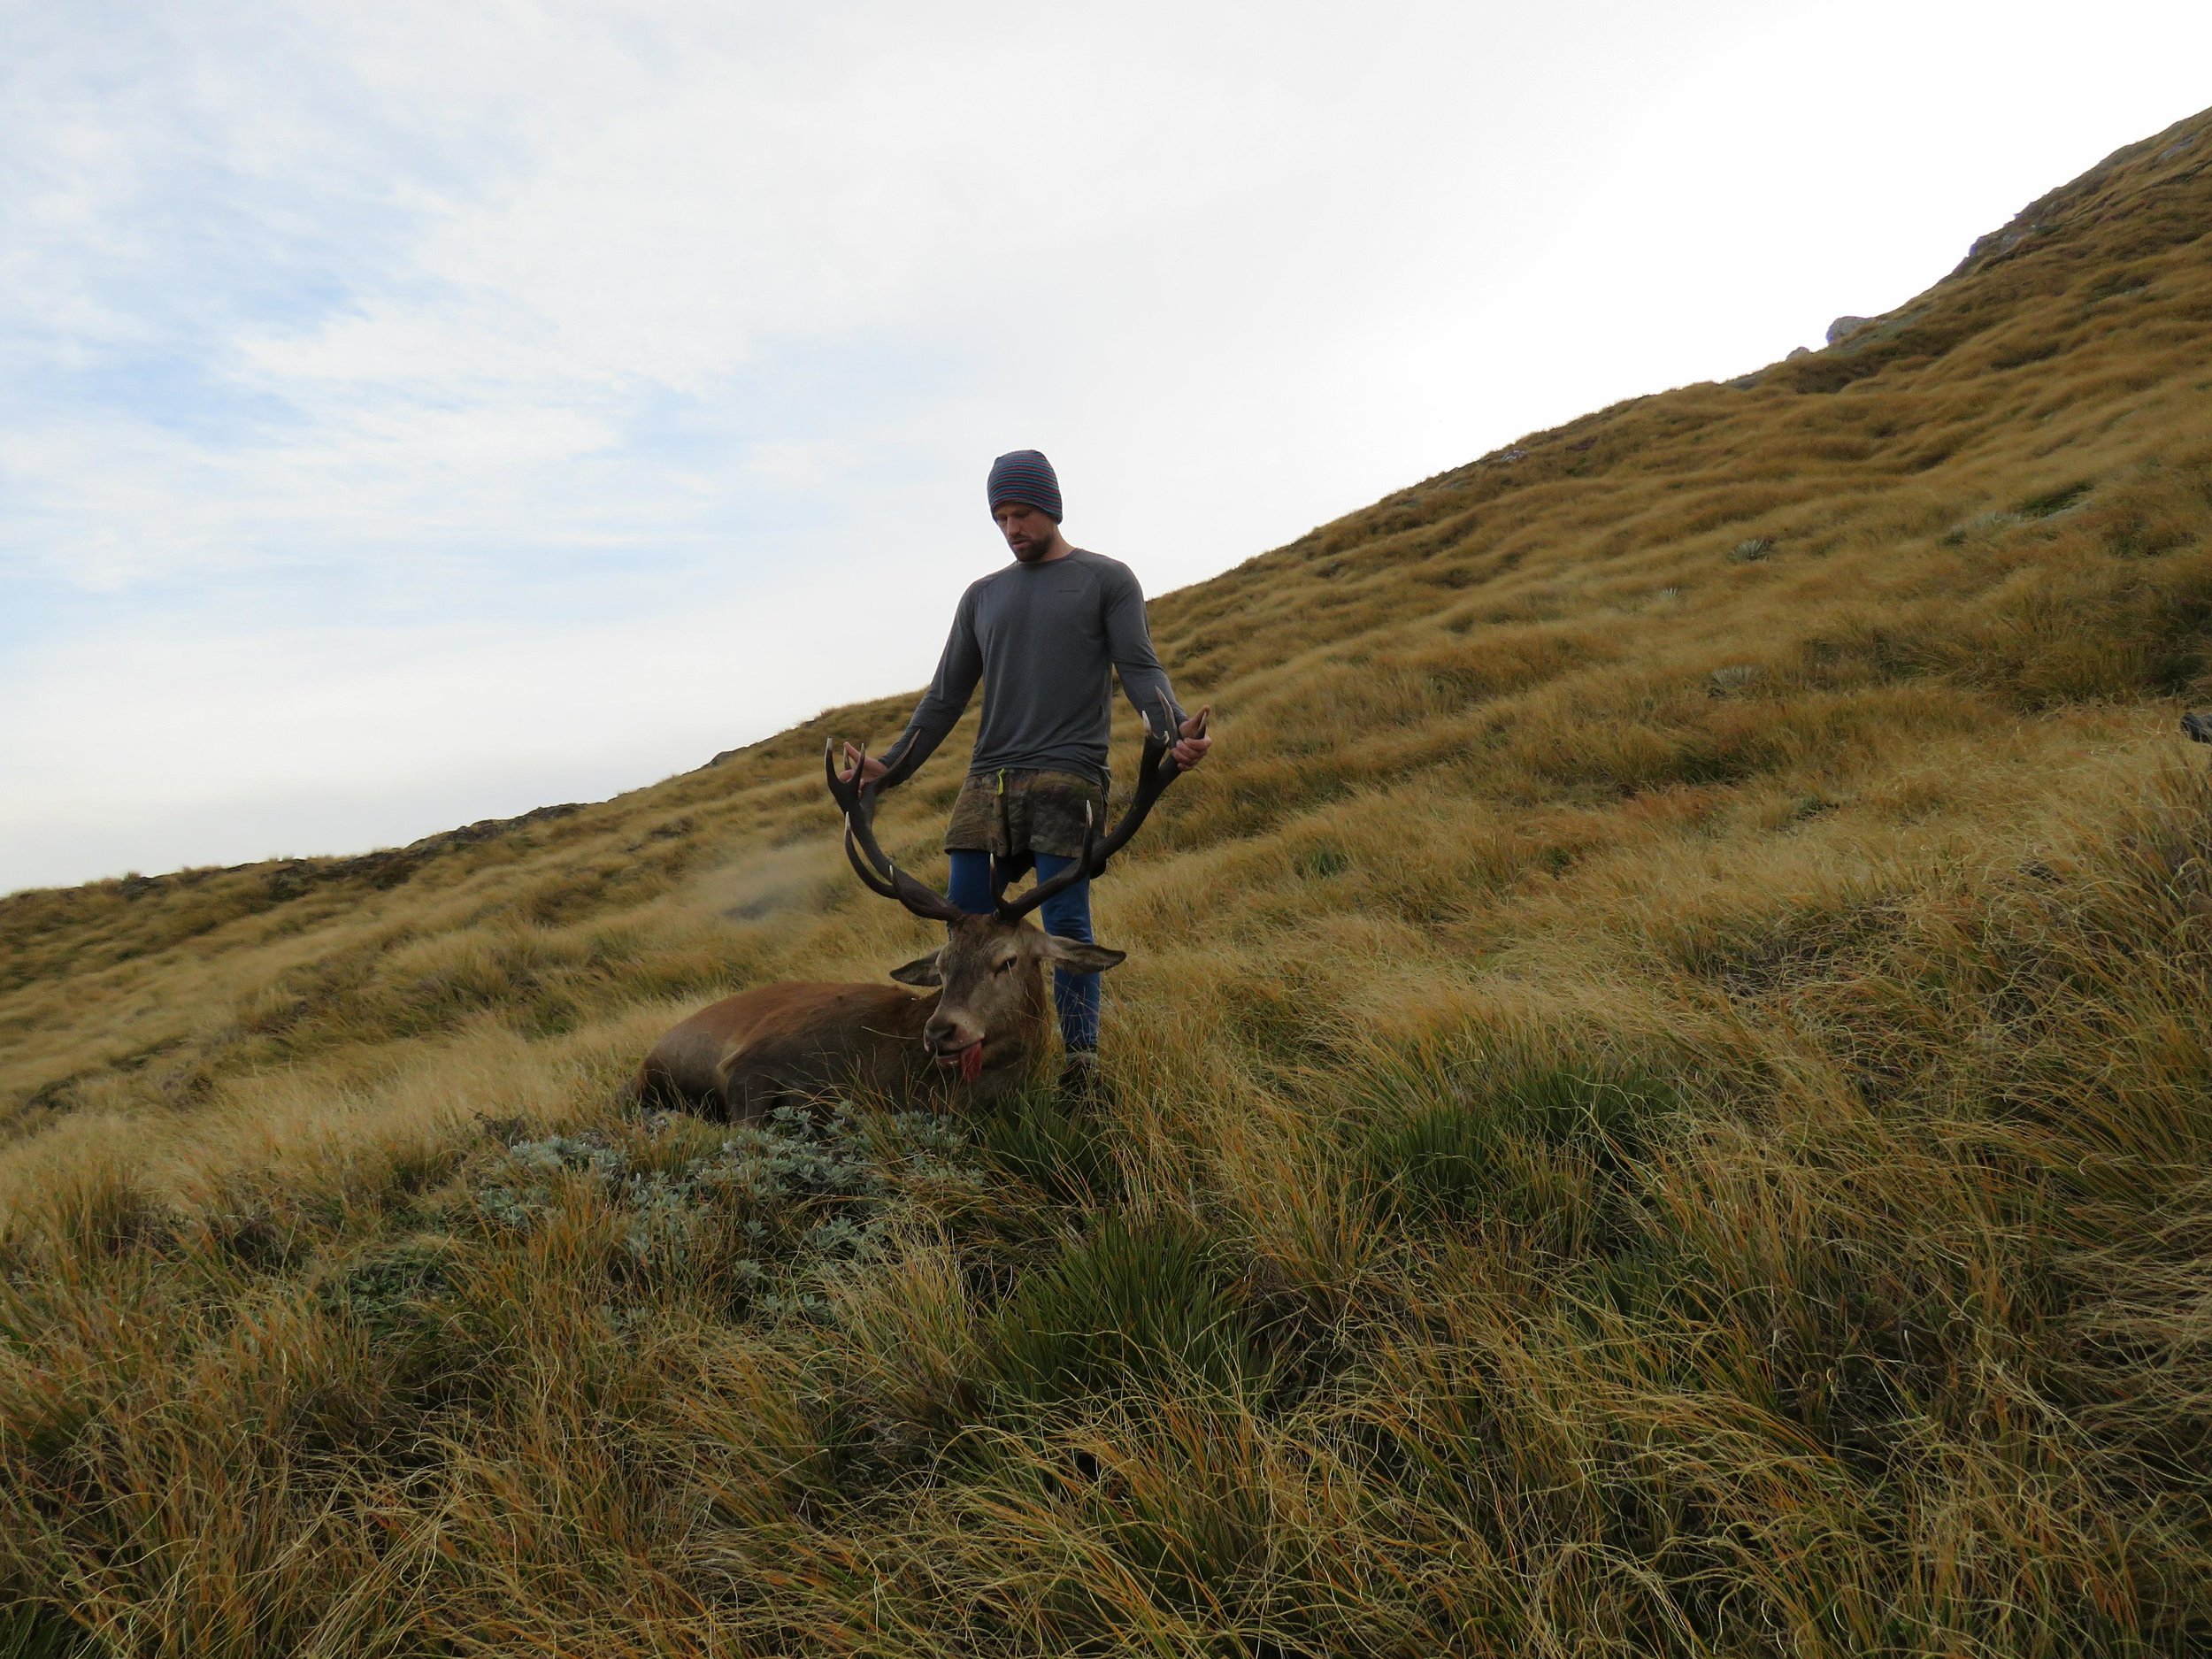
[
  {"x": 783, "y": 1044},
  {"x": 980, "y": 1035}
]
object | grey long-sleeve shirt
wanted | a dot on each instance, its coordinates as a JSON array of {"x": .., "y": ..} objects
[{"x": 1042, "y": 639}]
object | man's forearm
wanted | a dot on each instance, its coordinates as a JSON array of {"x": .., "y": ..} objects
[
  {"x": 1129, "y": 639},
  {"x": 1146, "y": 685},
  {"x": 913, "y": 746}
]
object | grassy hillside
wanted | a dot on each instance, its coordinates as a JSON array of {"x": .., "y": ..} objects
[{"x": 1665, "y": 1080}]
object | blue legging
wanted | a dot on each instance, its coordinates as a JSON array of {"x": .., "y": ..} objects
[{"x": 1067, "y": 913}]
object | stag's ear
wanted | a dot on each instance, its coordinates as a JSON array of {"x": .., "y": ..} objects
[
  {"x": 1077, "y": 957},
  {"x": 921, "y": 970}
]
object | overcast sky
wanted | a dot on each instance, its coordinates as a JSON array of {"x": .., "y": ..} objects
[{"x": 414, "y": 413}]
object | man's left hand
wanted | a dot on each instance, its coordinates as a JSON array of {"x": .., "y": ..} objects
[{"x": 1191, "y": 741}]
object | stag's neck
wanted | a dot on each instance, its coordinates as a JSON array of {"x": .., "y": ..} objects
[{"x": 1034, "y": 1031}]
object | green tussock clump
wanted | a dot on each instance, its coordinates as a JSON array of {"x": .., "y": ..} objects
[
  {"x": 1121, "y": 1308},
  {"x": 1066, "y": 1155},
  {"x": 1660, "y": 1102},
  {"x": 1535, "y": 1144}
]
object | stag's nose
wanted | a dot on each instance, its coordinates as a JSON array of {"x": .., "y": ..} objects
[{"x": 948, "y": 1034}]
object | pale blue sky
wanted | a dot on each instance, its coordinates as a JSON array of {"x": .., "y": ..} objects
[{"x": 416, "y": 413}]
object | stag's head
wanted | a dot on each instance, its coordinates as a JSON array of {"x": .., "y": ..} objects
[
  {"x": 989, "y": 1022},
  {"x": 990, "y": 975}
]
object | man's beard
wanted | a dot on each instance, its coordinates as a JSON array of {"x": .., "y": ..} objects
[{"x": 1029, "y": 553}]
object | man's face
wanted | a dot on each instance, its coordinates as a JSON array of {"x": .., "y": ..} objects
[{"x": 1028, "y": 530}]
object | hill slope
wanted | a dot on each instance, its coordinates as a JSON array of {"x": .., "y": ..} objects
[{"x": 1663, "y": 1104}]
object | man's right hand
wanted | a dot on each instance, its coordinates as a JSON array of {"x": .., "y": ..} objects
[
  {"x": 870, "y": 767},
  {"x": 1191, "y": 740}
]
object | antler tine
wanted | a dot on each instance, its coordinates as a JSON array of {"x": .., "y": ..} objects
[
  {"x": 1158, "y": 769},
  {"x": 1079, "y": 870},
  {"x": 856, "y": 797},
  {"x": 869, "y": 861},
  {"x": 845, "y": 794},
  {"x": 869, "y": 877}
]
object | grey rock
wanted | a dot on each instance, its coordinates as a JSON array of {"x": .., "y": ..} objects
[
  {"x": 1845, "y": 327},
  {"x": 1980, "y": 528}
]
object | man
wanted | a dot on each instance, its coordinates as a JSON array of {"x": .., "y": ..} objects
[{"x": 1042, "y": 635}]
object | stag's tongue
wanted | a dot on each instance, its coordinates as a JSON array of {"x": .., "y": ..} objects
[{"x": 971, "y": 1063}]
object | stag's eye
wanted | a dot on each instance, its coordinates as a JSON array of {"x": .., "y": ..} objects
[{"x": 1006, "y": 965}]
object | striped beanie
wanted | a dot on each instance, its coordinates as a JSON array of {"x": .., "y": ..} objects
[{"x": 1026, "y": 476}]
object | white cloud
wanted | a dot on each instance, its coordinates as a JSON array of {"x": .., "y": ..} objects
[{"x": 364, "y": 370}]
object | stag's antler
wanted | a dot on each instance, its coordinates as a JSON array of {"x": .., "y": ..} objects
[
  {"x": 857, "y": 799},
  {"x": 1079, "y": 870},
  {"x": 1157, "y": 771}
]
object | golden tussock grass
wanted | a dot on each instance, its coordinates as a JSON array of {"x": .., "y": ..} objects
[{"x": 1662, "y": 1076}]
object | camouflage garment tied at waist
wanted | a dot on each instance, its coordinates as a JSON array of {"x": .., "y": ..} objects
[{"x": 1009, "y": 813}]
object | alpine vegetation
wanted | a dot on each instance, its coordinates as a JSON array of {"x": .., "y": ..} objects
[{"x": 1660, "y": 1102}]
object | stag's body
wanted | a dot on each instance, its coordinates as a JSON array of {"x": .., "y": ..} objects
[
  {"x": 981, "y": 1035},
  {"x": 741, "y": 1058}
]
